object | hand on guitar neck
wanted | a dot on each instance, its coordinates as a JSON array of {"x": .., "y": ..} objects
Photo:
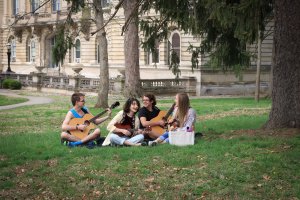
[{"x": 130, "y": 132}]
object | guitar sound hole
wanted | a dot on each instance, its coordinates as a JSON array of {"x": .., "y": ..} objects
[{"x": 87, "y": 123}]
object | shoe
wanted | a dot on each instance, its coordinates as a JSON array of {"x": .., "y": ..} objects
[
  {"x": 152, "y": 143},
  {"x": 90, "y": 145},
  {"x": 72, "y": 144},
  {"x": 144, "y": 143},
  {"x": 64, "y": 142}
]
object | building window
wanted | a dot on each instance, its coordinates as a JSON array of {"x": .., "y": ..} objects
[
  {"x": 55, "y": 5},
  {"x": 77, "y": 51},
  {"x": 13, "y": 50},
  {"x": 32, "y": 51},
  {"x": 176, "y": 44},
  {"x": 105, "y": 3},
  {"x": 52, "y": 44},
  {"x": 34, "y": 5},
  {"x": 28, "y": 51},
  {"x": 16, "y": 6},
  {"x": 153, "y": 57}
]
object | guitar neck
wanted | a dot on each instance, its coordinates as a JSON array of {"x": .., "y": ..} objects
[
  {"x": 169, "y": 112},
  {"x": 94, "y": 118}
]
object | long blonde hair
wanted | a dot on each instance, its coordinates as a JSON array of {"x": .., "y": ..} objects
[{"x": 183, "y": 107}]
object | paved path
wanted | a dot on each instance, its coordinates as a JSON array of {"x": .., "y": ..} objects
[{"x": 31, "y": 100}]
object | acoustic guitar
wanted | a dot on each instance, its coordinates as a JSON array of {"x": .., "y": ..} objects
[
  {"x": 162, "y": 115},
  {"x": 133, "y": 132},
  {"x": 89, "y": 121}
]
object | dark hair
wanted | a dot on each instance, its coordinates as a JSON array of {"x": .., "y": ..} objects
[
  {"x": 76, "y": 97},
  {"x": 128, "y": 103},
  {"x": 151, "y": 97}
]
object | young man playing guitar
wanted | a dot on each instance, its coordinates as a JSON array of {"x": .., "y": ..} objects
[
  {"x": 78, "y": 111},
  {"x": 148, "y": 112}
]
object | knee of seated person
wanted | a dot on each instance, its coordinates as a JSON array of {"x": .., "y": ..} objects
[{"x": 97, "y": 132}]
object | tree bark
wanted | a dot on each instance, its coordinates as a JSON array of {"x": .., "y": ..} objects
[
  {"x": 285, "y": 111},
  {"x": 131, "y": 49},
  {"x": 102, "y": 100}
]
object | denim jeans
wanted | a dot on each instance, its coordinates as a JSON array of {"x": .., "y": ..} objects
[
  {"x": 119, "y": 140},
  {"x": 165, "y": 137}
]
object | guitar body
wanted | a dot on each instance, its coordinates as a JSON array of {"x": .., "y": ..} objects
[
  {"x": 88, "y": 119},
  {"x": 85, "y": 120},
  {"x": 160, "y": 116}
]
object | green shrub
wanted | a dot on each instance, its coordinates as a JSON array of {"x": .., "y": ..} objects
[
  {"x": 12, "y": 84},
  {"x": 15, "y": 85},
  {"x": 6, "y": 83}
]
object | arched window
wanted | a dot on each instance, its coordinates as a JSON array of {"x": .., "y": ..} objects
[
  {"x": 175, "y": 41},
  {"x": 13, "y": 49},
  {"x": 55, "y": 5},
  {"x": 77, "y": 51},
  {"x": 30, "y": 50},
  {"x": 16, "y": 7}
]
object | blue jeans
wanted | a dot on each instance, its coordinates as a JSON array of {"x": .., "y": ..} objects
[
  {"x": 165, "y": 137},
  {"x": 119, "y": 140}
]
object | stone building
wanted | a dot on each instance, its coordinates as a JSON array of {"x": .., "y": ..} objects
[{"x": 32, "y": 36}]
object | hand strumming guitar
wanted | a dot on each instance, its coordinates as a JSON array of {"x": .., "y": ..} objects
[{"x": 81, "y": 127}]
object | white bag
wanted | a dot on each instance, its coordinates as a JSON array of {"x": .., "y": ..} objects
[{"x": 181, "y": 138}]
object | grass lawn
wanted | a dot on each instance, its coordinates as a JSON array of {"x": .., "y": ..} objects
[
  {"x": 235, "y": 159},
  {"x": 6, "y": 100}
]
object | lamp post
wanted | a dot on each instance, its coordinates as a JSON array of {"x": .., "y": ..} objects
[{"x": 8, "y": 58}]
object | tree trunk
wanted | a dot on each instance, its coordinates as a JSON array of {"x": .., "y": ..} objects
[
  {"x": 131, "y": 49},
  {"x": 285, "y": 111},
  {"x": 102, "y": 100},
  {"x": 258, "y": 64}
]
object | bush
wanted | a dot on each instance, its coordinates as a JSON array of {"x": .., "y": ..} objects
[
  {"x": 12, "y": 84},
  {"x": 6, "y": 83},
  {"x": 15, "y": 85}
]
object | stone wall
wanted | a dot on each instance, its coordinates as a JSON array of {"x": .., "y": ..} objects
[{"x": 216, "y": 82}]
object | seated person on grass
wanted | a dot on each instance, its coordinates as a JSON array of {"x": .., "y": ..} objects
[
  {"x": 78, "y": 111},
  {"x": 124, "y": 127},
  {"x": 183, "y": 118},
  {"x": 147, "y": 113}
]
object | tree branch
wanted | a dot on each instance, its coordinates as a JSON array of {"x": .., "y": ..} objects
[{"x": 117, "y": 7}]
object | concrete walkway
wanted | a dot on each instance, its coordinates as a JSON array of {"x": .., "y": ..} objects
[{"x": 31, "y": 100}]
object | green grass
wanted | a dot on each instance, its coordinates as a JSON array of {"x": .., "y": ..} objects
[
  {"x": 6, "y": 100},
  {"x": 235, "y": 159}
]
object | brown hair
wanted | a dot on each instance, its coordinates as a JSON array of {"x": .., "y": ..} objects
[
  {"x": 183, "y": 107},
  {"x": 151, "y": 97},
  {"x": 76, "y": 97}
]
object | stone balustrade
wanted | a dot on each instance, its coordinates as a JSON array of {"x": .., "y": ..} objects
[{"x": 41, "y": 82}]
